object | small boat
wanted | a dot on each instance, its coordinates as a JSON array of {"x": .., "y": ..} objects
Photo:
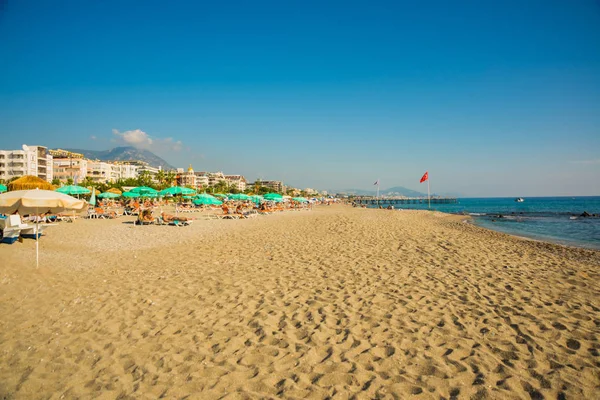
[{"x": 519, "y": 199}]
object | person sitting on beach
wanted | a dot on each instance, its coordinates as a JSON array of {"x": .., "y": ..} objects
[
  {"x": 240, "y": 211},
  {"x": 145, "y": 217},
  {"x": 170, "y": 217}
]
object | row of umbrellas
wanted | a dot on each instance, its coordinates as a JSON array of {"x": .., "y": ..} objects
[{"x": 145, "y": 191}]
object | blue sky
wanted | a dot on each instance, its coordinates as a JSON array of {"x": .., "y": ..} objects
[{"x": 492, "y": 98}]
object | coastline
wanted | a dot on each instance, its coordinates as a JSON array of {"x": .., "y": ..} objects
[{"x": 335, "y": 300}]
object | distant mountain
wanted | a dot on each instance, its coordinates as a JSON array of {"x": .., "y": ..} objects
[
  {"x": 126, "y": 153},
  {"x": 394, "y": 191}
]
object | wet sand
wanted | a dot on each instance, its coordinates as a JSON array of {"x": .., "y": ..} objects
[{"x": 335, "y": 302}]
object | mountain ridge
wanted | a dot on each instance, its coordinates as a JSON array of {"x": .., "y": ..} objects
[{"x": 125, "y": 153}]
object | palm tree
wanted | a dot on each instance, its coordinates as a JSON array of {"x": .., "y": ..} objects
[
  {"x": 169, "y": 178},
  {"x": 160, "y": 177}
]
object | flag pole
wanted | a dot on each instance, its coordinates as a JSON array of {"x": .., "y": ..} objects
[{"x": 428, "y": 195}]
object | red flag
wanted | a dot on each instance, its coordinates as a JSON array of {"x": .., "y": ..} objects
[{"x": 425, "y": 177}]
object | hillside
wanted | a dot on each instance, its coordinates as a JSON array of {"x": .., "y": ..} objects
[{"x": 126, "y": 153}]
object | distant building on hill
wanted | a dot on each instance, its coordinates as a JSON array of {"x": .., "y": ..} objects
[{"x": 30, "y": 160}]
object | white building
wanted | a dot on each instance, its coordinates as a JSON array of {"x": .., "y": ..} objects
[
  {"x": 128, "y": 171},
  {"x": 68, "y": 165},
  {"x": 30, "y": 160},
  {"x": 102, "y": 171},
  {"x": 201, "y": 179},
  {"x": 70, "y": 168},
  {"x": 237, "y": 181}
]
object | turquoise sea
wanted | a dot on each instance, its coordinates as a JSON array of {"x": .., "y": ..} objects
[{"x": 553, "y": 219}]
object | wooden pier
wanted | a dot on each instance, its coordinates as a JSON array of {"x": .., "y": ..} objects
[{"x": 403, "y": 200}]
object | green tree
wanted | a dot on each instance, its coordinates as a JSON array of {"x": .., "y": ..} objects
[
  {"x": 169, "y": 178},
  {"x": 56, "y": 182},
  {"x": 160, "y": 177},
  {"x": 144, "y": 179},
  {"x": 69, "y": 181}
]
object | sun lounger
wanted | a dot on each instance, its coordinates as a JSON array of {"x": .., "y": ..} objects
[
  {"x": 34, "y": 230},
  {"x": 8, "y": 234}
]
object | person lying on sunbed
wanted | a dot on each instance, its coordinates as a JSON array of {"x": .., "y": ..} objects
[{"x": 170, "y": 217}]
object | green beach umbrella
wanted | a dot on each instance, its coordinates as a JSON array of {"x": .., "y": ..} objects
[
  {"x": 205, "y": 198},
  {"x": 2, "y": 188},
  {"x": 300, "y": 199},
  {"x": 239, "y": 196},
  {"x": 188, "y": 197},
  {"x": 130, "y": 195},
  {"x": 143, "y": 190},
  {"x": 256, "y": 198},
  {"x": 273, "y": 197},
  {"x": 108, "y": 195},
  {"x": 72, "y": 189},
  {"x": 176, "y": 190},
  {"x": 207, "y": 201},
  {"x": 93, "y": 198},
  {"x": 220, "y": 195}
]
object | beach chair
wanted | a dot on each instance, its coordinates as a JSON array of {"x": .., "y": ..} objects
[{"x": 8, "y": 234}]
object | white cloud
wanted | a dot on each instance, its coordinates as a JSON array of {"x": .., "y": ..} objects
[
  {"x": 587, "y": 162},
  {"x": 140, "y": 139},
  {"x": 136, "y": 138},
  {"x": 93, "y": 137}
]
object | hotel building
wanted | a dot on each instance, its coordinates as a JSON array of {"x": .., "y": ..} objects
[{"x": 30, "y": 160}]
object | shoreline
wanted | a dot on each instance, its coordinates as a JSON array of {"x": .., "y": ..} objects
[
  {"x": 569, "y": 242},
  {"x": 336, "y": 300}
]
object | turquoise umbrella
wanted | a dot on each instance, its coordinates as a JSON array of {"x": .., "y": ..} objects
[
  {"x": 207, "y": 201},
  {"x": 300, "y": 199},
  {"x": 188, "y": 197},
  {"x": 73, "y": 189},
  {"x": 176, "y": 190},
  {"x": 108, "y": 195},
  {"x": 221, "y": 195},
  {"x": 239, "y": 196},
  {"x": 143, "y": 190},
  {"x": 257, "y": 199},
  {"x": 205, "y": 198},
  {"x": 2, "y": 188},
  {"x": 273, "y": 196},
  {"x": 130, "y": 194},
  {"x": 93, "y": 198}
]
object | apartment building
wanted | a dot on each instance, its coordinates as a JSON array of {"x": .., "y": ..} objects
[
  {"x": 68, "y": 165},
  {"x": 237, "y": 181},
  {"x": 276, "y": 186},
  {"x": 201, "y": 179},
  {"x": 30, "y": 160},
  {"x": 102, "y": 171}
]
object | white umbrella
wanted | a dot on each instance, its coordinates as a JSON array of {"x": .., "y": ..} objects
[{"x": 37, "y": 202}]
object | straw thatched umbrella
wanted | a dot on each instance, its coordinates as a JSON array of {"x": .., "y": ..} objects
[
  {"x": 29, "y": 182},
  {"x": 115, "y": 191}
]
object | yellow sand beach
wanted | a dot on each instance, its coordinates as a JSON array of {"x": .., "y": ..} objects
[{"x": 335, "y": 302}]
